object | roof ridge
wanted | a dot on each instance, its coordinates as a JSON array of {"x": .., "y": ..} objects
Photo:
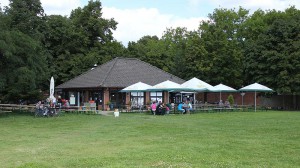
[
  {"x": 132, "y": 58},
  {"x": 85, "y": 73},
  {"x": 115, "y": 59},
  {"x": 75, "y": 77}
]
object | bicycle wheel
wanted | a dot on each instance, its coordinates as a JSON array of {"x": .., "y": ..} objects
[{"x": 38, "y": 113}]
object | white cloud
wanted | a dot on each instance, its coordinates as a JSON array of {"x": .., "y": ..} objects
[
  {"x": 4, "y": 3},
  {"x": 136, "y": 23},
  {"x": 61, "y": 7}
]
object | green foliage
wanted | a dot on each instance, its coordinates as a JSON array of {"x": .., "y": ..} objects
[
  {"x": 149, "y": 49},
  {"x": 273, "y": 56},
  {"x": 230, "y": 99},
  {"x": 80, "y": 41},
  {"x": 89, "y": 22},
  {"x": 175, "y": 40},
  {"x": 26, "y": 16},
  {"x": 25, "y": 68},
  {"x": 221, "y": 36}
]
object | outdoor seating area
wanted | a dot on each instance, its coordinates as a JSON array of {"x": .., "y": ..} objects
[{"x": 88, "y": 107}]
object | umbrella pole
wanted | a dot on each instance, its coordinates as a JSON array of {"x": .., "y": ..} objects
[
  {"x": 255, "y": 101},
  {"x": 220, "y": 96},
  {"x": 180, "y": 97},
  {"x": 168, "y": 97},
  {"x": 140, "y": 102}
]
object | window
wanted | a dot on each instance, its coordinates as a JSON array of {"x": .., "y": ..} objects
[
  {"x": 156, "y": 96},
  {"x": 117, "y": 98},
  {"x": 137, "y": 98},
  {"x": 96, "y": 96}
]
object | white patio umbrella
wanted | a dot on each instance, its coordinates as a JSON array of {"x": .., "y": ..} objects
[
  {"x": 167, "y": 86},
  {"x": 137, "y": 87},
  {"x": 223, "y": 88},
  {"x": 255, "y": 87},
  {"x": 196, "y": 84},
  {"x": 51, "y": 95}
]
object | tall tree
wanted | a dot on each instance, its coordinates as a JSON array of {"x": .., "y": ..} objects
[
  {"x": 94, "y": 28},
  {"x": 175, "y": 45},
  {"x": 221, "y": 38},
  {"x": 25, "y": 67},
  {"x": 23, "y": 58},
  {"x": 26, "y": 16},
  {"x": 80, "y": 41},
  {"x": 197, "y": 63},
  {"x": 149, "y": 49},
  {"x": 273, "y": 56}
]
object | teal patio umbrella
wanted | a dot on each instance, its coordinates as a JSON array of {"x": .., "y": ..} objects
[
  {"x": 255, "y": 87},
  {"x": 223, "y": 88},
  {"x": 197, "y": 85},
  {"x": 168, "y": 86}
]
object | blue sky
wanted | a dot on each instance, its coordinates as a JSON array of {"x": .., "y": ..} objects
[
  {"x": 183, "y": 8},
  {"x": 137, "y": 18}
]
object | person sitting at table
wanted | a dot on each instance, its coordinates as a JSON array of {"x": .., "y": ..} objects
[
  {"x": 180, "y": 107},
  {"x": 163, "y": 108},
  {"x": 153, "y": 107},
  {"x": 227, "y": 104},
  {"x": 221, "y": 105},
  {"x": 190, "y": 107},
  {"x": 67, "y": 104},
  {"x": 158, "y": 108},
  {"x": 168, "y": 108}
]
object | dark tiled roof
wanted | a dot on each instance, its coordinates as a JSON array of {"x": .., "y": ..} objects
[{"x": 120, "y": 72}]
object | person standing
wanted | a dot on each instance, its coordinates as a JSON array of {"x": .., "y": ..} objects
[
  {"x": 59, "y": 101},
  {"x": 153, "y": 108}
]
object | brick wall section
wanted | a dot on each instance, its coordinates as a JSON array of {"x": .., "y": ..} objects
[
  {"x": 105, "y": 97},
  {"x": 165, "y": 97},
  {"x": 127, "y": 98},
  {"x": 147, "y": 94},
  {"x": 86, "y": 96}
]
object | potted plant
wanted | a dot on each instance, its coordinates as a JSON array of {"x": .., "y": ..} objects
[
  {"x": 108, "y": 105},
  {"x": 111, "y": 105},
  {"x": 128, "y": 107},
  {"x": 149, "y": 104}
]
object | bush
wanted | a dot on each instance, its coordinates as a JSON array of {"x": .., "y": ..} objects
[{"x": 230, "y": 99}]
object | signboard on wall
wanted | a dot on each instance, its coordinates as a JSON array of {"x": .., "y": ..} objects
[{"x": 72, "y": 100}]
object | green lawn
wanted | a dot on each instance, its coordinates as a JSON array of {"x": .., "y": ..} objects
[{"x": 230, "y": 139}]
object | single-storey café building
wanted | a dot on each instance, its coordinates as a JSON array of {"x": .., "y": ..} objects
[{"x": 102, "y": 84}]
